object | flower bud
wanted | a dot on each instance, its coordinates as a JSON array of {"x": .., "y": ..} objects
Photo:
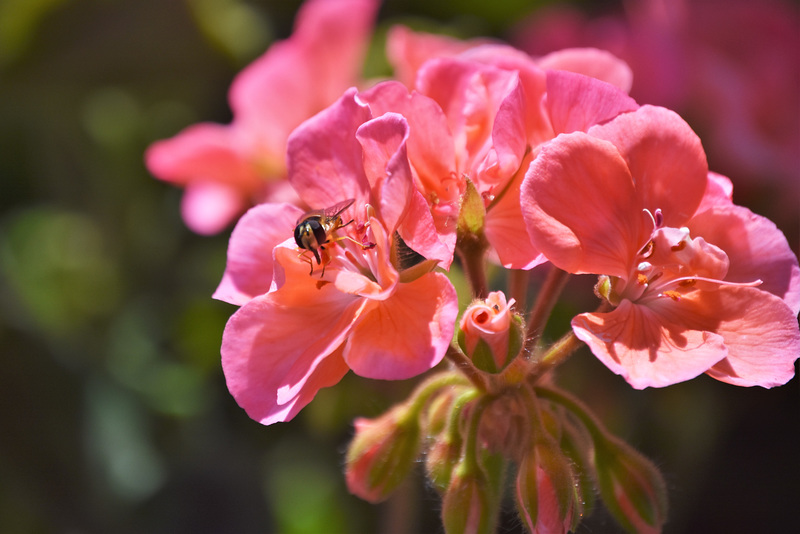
[
  {"x": 631, "y": 487},
  {"x": 490, "y": 334},
  {"x": 467, "y": 506},
  {"x": 382, "y": 453},
  {"x": 546, "y": 490},
  {"x": 441, "y": 459}
]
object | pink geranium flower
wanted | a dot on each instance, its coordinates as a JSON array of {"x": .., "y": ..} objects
[
  {"x": 713, "y": 291},
  {"x": 298, "y": 332},
  {"x": 227, "y": 168},
  {"x": 481, "y": 117}
]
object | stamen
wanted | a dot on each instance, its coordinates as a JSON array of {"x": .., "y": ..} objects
[
  {"x": 659, "y": 218},
  {"x": 671, "y": 293}
]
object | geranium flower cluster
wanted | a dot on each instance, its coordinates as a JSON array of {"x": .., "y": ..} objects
[{"x": 477, "y": 153}]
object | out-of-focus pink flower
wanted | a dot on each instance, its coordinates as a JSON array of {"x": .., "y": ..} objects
[
  {"x": 726, "y": 65},
  {"x": 227, "y": 168},
  {"x": 299, "y": 332},
  {"x": 621, "y": 201}
]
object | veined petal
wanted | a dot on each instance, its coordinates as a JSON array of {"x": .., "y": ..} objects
[
  {"x": 509, "y": 142},
  {"x": 430, "y": 143},
  {"x": 505, "y": 228},
  {"x": 407, "y": 334},
  {"x": 386, "y": 166},
  {"x": 420, "y": 232},
  {"x": 756, "y": 248},
  {"x": 248, "y": 271},
  {"x": 324, "y": 157},
  {"x": 270, "y": 350},
  {"x": 665, "y": 157},
  {"x": 580, "y": 207},
  {"x": 576, "y": 102},
  {"x": 647, "y": 351},
  {"x": 761, "y": 334},
  {"x": 470, "y": 94}
]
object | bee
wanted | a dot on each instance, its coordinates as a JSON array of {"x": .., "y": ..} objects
[{"x": 315, "y": 228}]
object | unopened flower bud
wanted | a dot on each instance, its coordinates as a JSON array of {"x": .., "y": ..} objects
[
  {"x": 547, "y": 495},
  {"x": 382, "y": 453},
  {"x": 631, "y": 487},
  {"x": 441, "y": 459},
  {"x": 467, "y": 504},
  {"x": 491, "y": 335}
]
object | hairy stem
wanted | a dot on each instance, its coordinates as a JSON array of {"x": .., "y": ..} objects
[
  {"x": 464, "y": 364},
  {"x": 472, "y": 251}
]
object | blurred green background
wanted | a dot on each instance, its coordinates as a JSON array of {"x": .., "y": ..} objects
[{"x": 114, "y": 416}]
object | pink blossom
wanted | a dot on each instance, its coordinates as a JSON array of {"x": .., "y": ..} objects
[
  {"x": 408, "y": 51},
  {"x": 712, "y": 291},
  {"x": 299, "y": 332},
  {"x": 481, "y": 120},
  {"x": 227, "y": 168}
]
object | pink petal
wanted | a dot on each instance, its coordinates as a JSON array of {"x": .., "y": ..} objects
[
  {"x": 209, "y": 207},
  {"x": 274, "y": 362},
  {"x": 407, "y": 50},
  {"x": 756, "y": 248},
  {"x": 580, "y": 207},
  {"x": 430, "y": 144},
  {"x": 470, "y": 94},
  {"x": 719, "y": 191},
  {"x": 647, "y": 351},
  {"x": 533, "y": 81},
  {"x": 598, "y": 64},
  {"x": 419, "y": 231},
  {"x": 300, "y": 76},
  {"x": 665, "y": 158},
  {"x": 761, "y": 335},
  {"x": 407, "y": 334},
  {"x": 505, "y": 228},
  {"x": 325, "y": 158},
  {"x": 386, "y": 165},
  {"x": 203, "y": 152},
  {"x": 248, "y": 272},
  {"x": 508, "y": 143},
  {"x": 576, "y": 102}
]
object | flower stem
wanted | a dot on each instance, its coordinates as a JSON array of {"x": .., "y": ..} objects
[
  {"x": 472, "y": 251},
  {"x": 545, "y": 301},
  {"x": 435, "y": 383},
  {"x": 465, "y": 365},
  {"x": 518, "y": 281}
]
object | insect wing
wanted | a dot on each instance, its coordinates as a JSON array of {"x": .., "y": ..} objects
[{"x": 335, "y": 210}]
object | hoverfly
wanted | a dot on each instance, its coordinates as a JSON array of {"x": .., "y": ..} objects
[{"x": 315, "y": 228}]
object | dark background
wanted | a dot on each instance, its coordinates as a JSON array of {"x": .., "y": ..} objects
[{"x": 114, "y": 416}]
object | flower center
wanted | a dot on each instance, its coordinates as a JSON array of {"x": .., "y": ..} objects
[{"x": 669, "y": 265}]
